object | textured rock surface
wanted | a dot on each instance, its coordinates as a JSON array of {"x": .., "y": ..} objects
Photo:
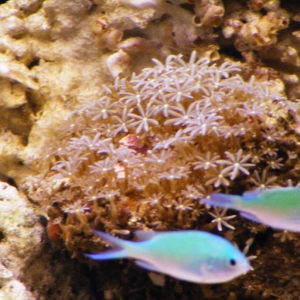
[{"x": 21, "y": 241}]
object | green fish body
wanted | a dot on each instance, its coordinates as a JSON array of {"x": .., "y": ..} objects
[
  {"x": 278, "y": 207},
  {"x": 194, "y": 256}
]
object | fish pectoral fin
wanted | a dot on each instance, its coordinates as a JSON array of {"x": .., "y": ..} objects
[
  {"x": 250, "y": 217},
  {"x": 146, "y": 265}
]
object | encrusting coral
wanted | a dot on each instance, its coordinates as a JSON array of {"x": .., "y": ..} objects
[{"x": 145, "y": 153}]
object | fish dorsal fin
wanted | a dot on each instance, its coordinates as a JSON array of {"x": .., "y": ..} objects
[
  {"x": 249, "y": 195},
  {"x": 145, "y": 235}
]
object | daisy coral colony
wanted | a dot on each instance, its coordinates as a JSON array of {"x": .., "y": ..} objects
[{"x": 146, "y": 152}]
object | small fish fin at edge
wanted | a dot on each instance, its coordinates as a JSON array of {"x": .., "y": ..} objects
[
  {"x": 223, "y": 200},
  {"x": 111, "y": 240},
  {"x": 213, "y": 203},
  {"x": 249, "y": 195}
]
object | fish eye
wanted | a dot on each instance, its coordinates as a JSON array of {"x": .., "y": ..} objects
[{"x": 232, "y": 262}]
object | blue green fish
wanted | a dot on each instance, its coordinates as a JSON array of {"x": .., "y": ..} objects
[
  {"x": 278, "y": 207},
  {"x": 195, "y": 256}
]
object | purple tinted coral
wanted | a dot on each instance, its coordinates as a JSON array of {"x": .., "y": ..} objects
[{"x": 236, "y": 163}]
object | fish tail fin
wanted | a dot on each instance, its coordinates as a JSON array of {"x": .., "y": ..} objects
[
  {"x": 224, "y": 200},
  {"x": 119, "y": 249},
  {"x": 111, "y": 254}
]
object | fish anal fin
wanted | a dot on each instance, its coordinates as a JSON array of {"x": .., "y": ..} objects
[
  {"x": 146, "y": 265},
  {"x": 250, "y": 216}
]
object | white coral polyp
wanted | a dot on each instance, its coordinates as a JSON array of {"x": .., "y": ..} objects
[{"x": 141, "y": 3}]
